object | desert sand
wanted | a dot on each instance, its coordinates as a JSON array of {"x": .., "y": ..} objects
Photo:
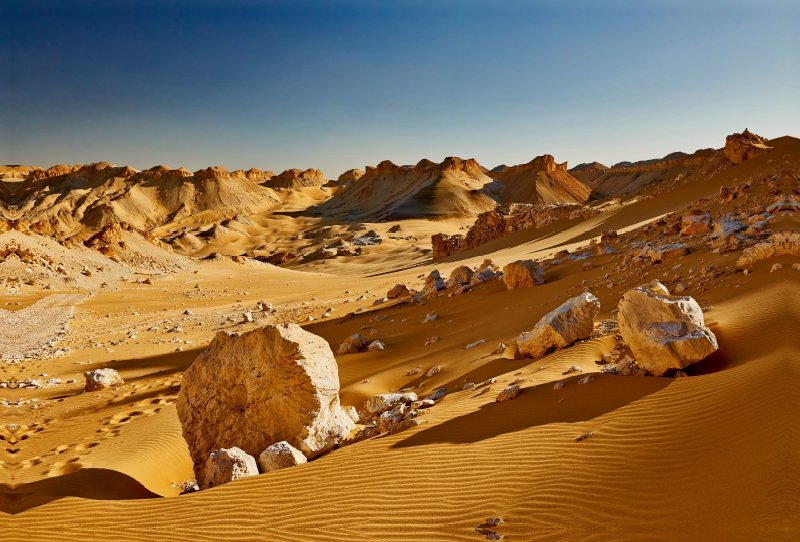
[{"x": 705, "y": 456}]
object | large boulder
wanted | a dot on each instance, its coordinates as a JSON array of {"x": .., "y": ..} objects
[
  {"x": 665, "y": 333},
  {"x": 100, "y": 379},
  {"x": 523, "y": 274},
  {"x": 572, "y": 321},
  {"x": 274, "y": 383},
  {"x": 227, "y": 465},
  {"x": 279, "y": 456},
  {"x": 459, "y": 276}
]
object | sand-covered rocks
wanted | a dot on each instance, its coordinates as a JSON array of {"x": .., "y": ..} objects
[
  {"x": 227, "y": 465},
  {"x": 275, "y": 383},
  {"x": 280, "y": 456},
  {"x": 387, "y": 401},
  {"x": 100, "y": 379},
  {"x": 398, "y": 290},
  {"x": 777, "y": 244},
  {"x": 572, "y": 321},
  {"x": 523, "y": 274},
  {"x": 663, "y": 252},
  {"x": 695, "y": 223},
  {"x": 665, "y": 333}
]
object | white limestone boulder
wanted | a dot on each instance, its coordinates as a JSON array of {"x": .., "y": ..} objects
[
  {"x": 101, "y": 379},
  {"x": 572, "y": 321},
  {"x": 228, "y": 465},
  {"x": 665, "y": 333}
]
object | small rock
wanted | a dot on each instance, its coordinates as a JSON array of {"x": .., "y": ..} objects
[
  {"x": 280, "y": 456},
  {"x": 508, "y": 394}
]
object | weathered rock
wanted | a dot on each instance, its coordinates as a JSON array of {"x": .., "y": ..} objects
[
  {"x": 280, "y": 456},
  {"x": 227, "y": 465},
  {"x": 356, "y": 340},
  {"x": 660, "y": 253},
  {"x": 376, "y": 346},
  {"x": 572, "y": 321},
  {"x": 433, "y": 282},
  {"x": 695, "y": 223},
  {"x": 399, "y": 290},
  {"x": 508, "y": 394},
  {"x": 486, "y": 271},
  {"x": 275, "y": 383},
  {"x": 741, "y": 147},
  {"x": 523, "y": 274},
  {"x": 665, "y": 333},
  {"x": 432, "y": 371},
  {"x": 352, "y": 413},
  {"x": 387, "y": 401},
  {"x": 100, "y": 379},
  {"x": 459, "y": 276}
]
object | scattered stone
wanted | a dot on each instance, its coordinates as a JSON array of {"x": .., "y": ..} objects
[
  {"x": 460, "y": 276},
  {"x": 467, "y": 386},
  {"x": 523, "y": 274},
  {"x": 586, "y": 379},
  {"x": 508, "y": 394},
  {"x": 558, "y": 385},
  {"x": 432, "y": 371},
  {"x": 100, "y": 379},
  {"x": 387, "y": 401},
  {"x": 280, "y": 456},
  {"x": 432, "y": 340},
  {"x": 473, "y": 345},
  {"x": 227, "y": 465},
  {"x": 399, "y": 290},
  {"x": 376, "y": 346},
  {"x": 433, "y": 282},
  {"x": 572, "y": 321}
]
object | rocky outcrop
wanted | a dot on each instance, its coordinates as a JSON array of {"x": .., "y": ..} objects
[
  {"x": 279, "y": 456},
  {"x": 503, "y": 220},
  {"x": 459, "y": 276},
  {"x": 777, "y": 244},
  {"x": 572, "y": 321},
  {"x": 523, "y": 274},
  {"x": 297, "y": 178},
  {"x": 540, "y": 181},
  {"x": 695, "y": 222},
  {"x": 227, "y": 465},
  {"x": 665, "y": 333},
  {"x": 350, "y": 175},
  {"x": 275, "y": 383},
  {"x": 663, "y": 252},
  {"x": 101, "y": 379},
  {"x": 741, "y": 147}
]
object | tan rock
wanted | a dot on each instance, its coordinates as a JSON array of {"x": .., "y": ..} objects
[
  {"x": 523, "y": 274},
  {"x": 695, "y": 223},
  {"x": 777, "y": 244},
  {"x": 399, "y": 290},
  {"x": 459, "y": 276},
  {"x": 572, "y": 321},
  {"x": 508, "y": 394},
  {"x": 379, "y": 404},
  {"x": 100, "y": 379},
  {"x": 275, "y": 383},
  {"x": 227, "y": 465},
  {"x": 280, "y": 456},
  {"x": 665, "y": 333}
]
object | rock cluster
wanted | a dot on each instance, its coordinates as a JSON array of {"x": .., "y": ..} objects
[{"x": 272, "y": 384}]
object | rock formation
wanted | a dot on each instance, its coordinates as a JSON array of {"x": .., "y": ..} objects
[
  {"x": 280, "y": 456},
  {"x": 523, "y": 274},
  {"x": 665, "y": 333},
  {"x": 540, "y": 181},
  {"x": 572, "y": 321},
  {"x": 776, "y": 245},
  {"x": 275, "y": 383}
]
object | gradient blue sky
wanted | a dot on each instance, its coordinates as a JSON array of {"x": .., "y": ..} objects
[{"x": 342, "y": 84}]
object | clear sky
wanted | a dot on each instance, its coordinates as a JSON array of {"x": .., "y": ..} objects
[{"x": 342, "y": 84}]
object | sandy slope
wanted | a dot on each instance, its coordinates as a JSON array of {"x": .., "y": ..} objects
[{"x": 710, "y": 457}]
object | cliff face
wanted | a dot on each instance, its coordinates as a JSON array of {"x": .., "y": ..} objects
[
  {"x": 541, "y": 181},
  {"x": 87, "y": 198},
  {"x": 454, "y": 187},
  {"x": 741, "y": 147},
  {"x": 628, "y": 177}
]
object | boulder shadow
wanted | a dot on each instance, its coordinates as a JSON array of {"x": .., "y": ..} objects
[
  {"x": 539, "y": 406},
  {"x": 95, "y": 484}
]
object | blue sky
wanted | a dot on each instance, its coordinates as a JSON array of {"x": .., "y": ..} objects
[{"x": 342, "y": 84}]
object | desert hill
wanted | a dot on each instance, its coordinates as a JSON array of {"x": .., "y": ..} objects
[
  {"x": 541, "y": 180},
  {"x": 452, "y": 188},
  {"x": 64, "y": 202}
]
